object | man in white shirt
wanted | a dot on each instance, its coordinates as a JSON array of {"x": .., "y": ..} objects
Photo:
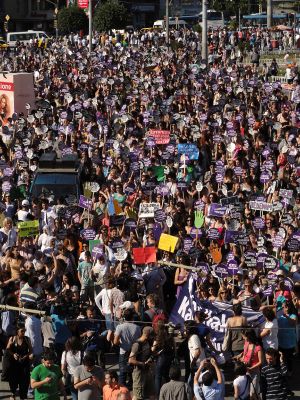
[
  {"x": 33, "y": 328},
  {"x": 24, "y": 213}
]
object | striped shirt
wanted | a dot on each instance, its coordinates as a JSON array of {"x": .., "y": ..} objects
[
  {"x": 28, "y": 294},
  {"x": 273, "y": 382}
]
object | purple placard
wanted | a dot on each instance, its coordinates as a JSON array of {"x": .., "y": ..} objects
[
  {"x": 231, "y": 236},
  {"x": 265, "y": 177},
  {"x": 238, "y": 171},
  {"x": 293, "y": 244},
  {"x": 250, "y": 259},
  {"x": 163, "y": 190},
  {"x": 130, "y": 223},
  {"x": 18, "y": 154},
  {"x": 8, "y": 171},
  {"x": 277, "y": 241},
  {"x": 199, "y": 205},
  {"x": 232, "y": 267},
  {"x": 213, "y": 234},
  {"x": 97, "y": 251},
  {"x": 129, "y": 189},
  {"x": 88, "y": 234},
  {"x": 157, "y": 231},
  {"x": 259, "y": 223},
  {"x": 159, "y": 216},
  {"x": 261, "y": 257},
  {"x": 215, "y": 210},
  {"x": 204, "y": 267},
  {"x": 221, "y": 270},
  {"x": 271, "y": 263},
  {"x": 181, "y": 185},
  {"x": 84, "y": 202},
  {"x": 187, "y": 244},
  {"x": 194, "y": 232},
  {"x": 268, "y": 291}
]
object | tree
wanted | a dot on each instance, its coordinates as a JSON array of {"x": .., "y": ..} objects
[
  {"x": 110, "y": 15},
  {"x": 72, "y": 19}
]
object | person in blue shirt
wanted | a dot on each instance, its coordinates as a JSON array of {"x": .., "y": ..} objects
[
  {"x": 61, "y": 330},
  {"x": 287, "y": 338},
  {"x": 208, "y": 381}
]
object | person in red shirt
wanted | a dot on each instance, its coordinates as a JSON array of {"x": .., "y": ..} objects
[
  {"x": 111, "y": 389},
  {"x": 252, "y": 357}
]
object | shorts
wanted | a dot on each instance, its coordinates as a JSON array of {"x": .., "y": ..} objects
[{"x": 142, "y": 383}]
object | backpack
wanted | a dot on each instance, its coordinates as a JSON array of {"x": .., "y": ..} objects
[{"x": 156, "y": 315}]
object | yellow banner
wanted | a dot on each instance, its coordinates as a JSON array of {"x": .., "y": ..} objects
[{"x": 28, "y": 228}]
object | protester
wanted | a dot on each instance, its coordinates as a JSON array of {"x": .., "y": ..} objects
[
  {"x": 20, "y": 349},
  {"x": 112, "y": 389},
  {"x": 175, "y": 389},
  {"x": 188, "y": 173},
  {"x": 88, "y": 379},
  {"x": 46, "y": 379}
]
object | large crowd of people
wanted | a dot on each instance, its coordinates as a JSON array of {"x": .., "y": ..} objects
[{"x": 190, "y": 176}]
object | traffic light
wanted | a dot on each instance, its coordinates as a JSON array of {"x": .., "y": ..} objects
[{"x": 6, "y": 26}]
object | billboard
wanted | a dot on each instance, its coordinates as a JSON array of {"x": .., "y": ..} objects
[
  {"x": 6, "y": 99},
  {"x": 83, "y": 3},
  {"x": 16, "y": 90}
]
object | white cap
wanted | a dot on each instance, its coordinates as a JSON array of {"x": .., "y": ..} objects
[
  {"x": 126, "y": 305},
  {"x": 25, "y": 203}
]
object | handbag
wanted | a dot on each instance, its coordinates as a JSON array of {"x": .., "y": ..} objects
[{"x": 226, "y": 346}]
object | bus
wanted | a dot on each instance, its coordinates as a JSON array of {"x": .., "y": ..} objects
[
  {"x": 215, "y": 19},
  {"x": 24, "y": 37},
  {"x": 260, "y": 19}
]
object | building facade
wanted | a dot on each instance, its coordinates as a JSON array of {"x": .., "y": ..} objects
[{"x": 30, "y": 14}]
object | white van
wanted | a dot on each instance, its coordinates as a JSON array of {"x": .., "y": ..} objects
[
  {"x": 161, "y": 24},
  {"x": 24, "y": 37}
]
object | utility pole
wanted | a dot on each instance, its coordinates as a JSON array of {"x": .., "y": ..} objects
[
  {"x": 167, "y": 23},
  {"x": 90, "y": 25},
  {"x": 269, "y": 13},
  {"x": 204, "y": 30}
]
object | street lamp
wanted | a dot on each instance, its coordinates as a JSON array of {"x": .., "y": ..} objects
[{"x": 204, "y": 31}]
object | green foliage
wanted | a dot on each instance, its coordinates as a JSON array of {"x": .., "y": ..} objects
[
  {"x": 110, "y": 15},
  {"x": 233, "y": 24},
  {"x": 197, "y": 28},
  {"x": 72, "y": 19}
]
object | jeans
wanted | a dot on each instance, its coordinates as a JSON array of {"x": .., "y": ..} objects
[
  {"x": 69, "y": 384},
  {"x": 162, "y": 368},
  {"x": 123, "y": 368},
  {"x": 109, "y": 322}
]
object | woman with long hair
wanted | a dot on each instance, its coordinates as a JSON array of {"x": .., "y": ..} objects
[
  {"x": 270, "y": 330},
  {"x": 70, "y": 359},
  {"x": 20, "y": 349},
  {"x": 4, "y": 109},
  {"x": 163, "y": 349},
  {"x": 235, "y": 325},
  {"x": 252, "y": 357}
]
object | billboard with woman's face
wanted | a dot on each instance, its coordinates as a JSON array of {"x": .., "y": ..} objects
[
  {"x": 6, "y": 99},
  {"x": 16, "y": 90}
]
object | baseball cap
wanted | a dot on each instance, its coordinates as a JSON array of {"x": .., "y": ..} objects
[
  {"x": 25, "y": 203},
  {"x": 126, "y": 305}
]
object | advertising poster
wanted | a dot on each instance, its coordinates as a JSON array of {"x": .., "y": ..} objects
[
  {"x": 6, "y": 98},
  {"x": 16, "y": 90}
]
